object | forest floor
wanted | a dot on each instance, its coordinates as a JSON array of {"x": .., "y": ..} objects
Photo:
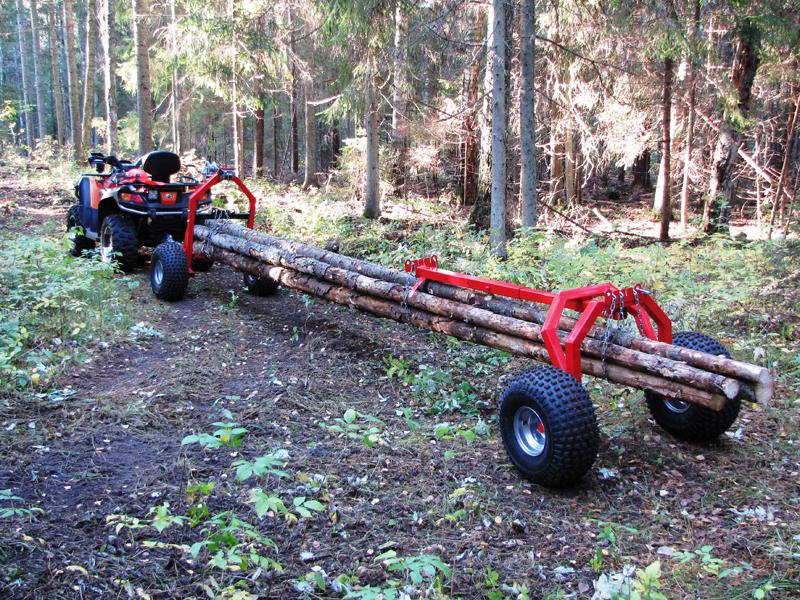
[{"x": 394, "y": 479}]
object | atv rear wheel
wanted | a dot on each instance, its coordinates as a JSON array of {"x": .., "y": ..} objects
[
  {"x": 688, "y": 421},
  {"x": 260, "y": 286},
  {"x": 169, "y": 271},
  {"x": 118, "y": 242},
  {"x": 79, "y": 243},
  {"x": 548, "y": 426}
]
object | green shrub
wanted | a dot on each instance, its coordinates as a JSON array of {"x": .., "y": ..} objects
[{"x": 51, "y": 306}]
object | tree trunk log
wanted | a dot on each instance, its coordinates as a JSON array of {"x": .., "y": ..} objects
[
  {"x": 729, "y": 368},
  {"x": 464, "y": 331}
]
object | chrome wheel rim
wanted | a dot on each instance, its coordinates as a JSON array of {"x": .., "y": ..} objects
[
  {"x": 158, "y": 273},
  {"x": 529, "y": 431},
  {"x": 676, "y": 406}
]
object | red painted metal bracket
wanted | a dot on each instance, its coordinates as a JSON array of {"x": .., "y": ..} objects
[
  {"x": 590, "y": 302},
  {"x": 194, "y": 200}
]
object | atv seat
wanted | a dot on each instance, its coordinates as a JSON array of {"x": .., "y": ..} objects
[{"x": 161, "y": 164}]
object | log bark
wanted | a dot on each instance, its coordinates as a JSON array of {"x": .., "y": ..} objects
[
  {"x": 463, "y": 331},
  {"x": 674, "y": 371},
  {"x": 758, "y": 377}
]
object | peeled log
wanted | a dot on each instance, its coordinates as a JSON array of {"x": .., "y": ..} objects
[
  {"x": 629, "y": 359},
  {"x": 759, "y": 377},
  {"x": 395, "y": 311}
]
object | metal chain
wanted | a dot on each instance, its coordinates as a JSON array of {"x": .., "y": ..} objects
[{"x": 607, "y": 334}]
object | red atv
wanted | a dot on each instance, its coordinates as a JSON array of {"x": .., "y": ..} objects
[{"x": 136, "y": 204}]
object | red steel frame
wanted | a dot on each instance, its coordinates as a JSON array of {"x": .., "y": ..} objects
[
  {"x": 194, "y": 199},
  {"x": 591, "y": 302}
]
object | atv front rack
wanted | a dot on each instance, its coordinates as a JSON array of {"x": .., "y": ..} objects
[{"x": 601, "y": 300}]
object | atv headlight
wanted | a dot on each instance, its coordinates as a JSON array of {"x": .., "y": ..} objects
[{"x": 152, "y": 195}]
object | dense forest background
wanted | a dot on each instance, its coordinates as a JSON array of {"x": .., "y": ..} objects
[{"x": 695, "y": 101}]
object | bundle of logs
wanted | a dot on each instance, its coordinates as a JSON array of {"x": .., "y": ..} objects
[{"x": 476, "y": 317}]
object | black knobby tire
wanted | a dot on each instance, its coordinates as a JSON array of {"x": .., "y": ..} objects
[
  {"x": 260, "y": 286},
  {"x": 688, "y": 421},
  {"x": 79, "y": 242},
  {"x": 169, "y": 271},
  {"x": 548, "y": 426},
  {"x": 202, "y": 264},
  {"x": 118, "y": 242}
]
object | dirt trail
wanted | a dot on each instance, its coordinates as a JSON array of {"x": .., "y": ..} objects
[{"x": 281, "y": 366}]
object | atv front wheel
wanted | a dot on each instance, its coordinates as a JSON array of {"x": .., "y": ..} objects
[
  {"x": 548, "y": 427},
  {"x": 118, "y": 242},
  {"x": 79, "y": 243},
  {"x": 260, "y": 286},
  {"x": 688, "y": 421},
  {"x": 169, "y": 271}
]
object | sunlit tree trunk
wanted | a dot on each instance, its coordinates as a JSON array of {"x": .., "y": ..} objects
[
  {"x": 175, "y": 101},
  {"x": 258, "y": 142},
  {"x": 27, "y": 92},
  {"x": 497, "y": 229},
  {"x": 372, "y": 193},
  {"x": 89, "y": 73},
  {"x": 144, "y": 96},
  {"x": 480, "y": 211},
  {"x": 312, "y": 151},
  {"x": 399, "y": 100},
  {"x": 661, "y": 203},
  {"x": 110, "y": 74},
  {"x": 55, "y": 73},
  {"x": 37, "y": 83},
  {"x": 74, "y": 93},
  {"x": 527, "y": 113}
]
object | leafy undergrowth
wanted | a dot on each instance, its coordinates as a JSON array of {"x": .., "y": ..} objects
[{"x": 287, "y": 448}]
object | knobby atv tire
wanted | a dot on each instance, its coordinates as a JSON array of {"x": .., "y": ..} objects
[
  {"x": 690, "y": 421},
  {"x": 118, "y": 242},
  {"x": 169, "y": 271},
  {"x": 260, "y": 286},
  {"x": 569, "y": 426},
  {"x": 79, "y": 242}
]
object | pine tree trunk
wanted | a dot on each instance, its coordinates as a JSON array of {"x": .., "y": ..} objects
[
  {"x": 399, "y": 100},
  {"x": 258, "y": 143},
  {"x": 175, "y": 101},
  {"x": 74, "y": 92},
  {"x": 236, "y": 124},
  {"x": 779, "y": 197},
  {"x": 37, "y": 84},
  {"x": 89, "y": 73},
  {"x": 55, "y": 73},
  {"x": 110, "y": 74},
  {"x": 27, "y": 92},
  {"x": 276, "y": 128},
  {"x": 743, "y": 72},
  {"x": 372, "y": 193},
  {"x": 312, "y": 150},
  {"x": 570, "y": 160},
  {"x": 527, "y": 114},
  {"x": 479, "y": 217},
  {"x": 144, "y": 96},
  {"x": 663, "y": 188},
  {"x": 294, "y": 100},
  {"x": 497, "y": 230}
]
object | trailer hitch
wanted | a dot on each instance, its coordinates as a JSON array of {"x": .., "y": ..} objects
[{"x": 601, "y": 300}]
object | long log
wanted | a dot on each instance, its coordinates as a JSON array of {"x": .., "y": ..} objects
[
  {"x": 760, "y": 377},
  {"x": 471, "y": 333},
  {"x": 675, "y": 371}
]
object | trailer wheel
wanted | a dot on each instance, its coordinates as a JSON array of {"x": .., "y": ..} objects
[
  {"x": 118, "y": 242},
  {"x": 260, "y": 286},
  {"x": 548, "y": 426},
  {"x": 689, "y": 421},
  {"x": 79, "y": 243},
  {"x": 169, "y": 271},
  {"x": 202, "y": 264}
]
